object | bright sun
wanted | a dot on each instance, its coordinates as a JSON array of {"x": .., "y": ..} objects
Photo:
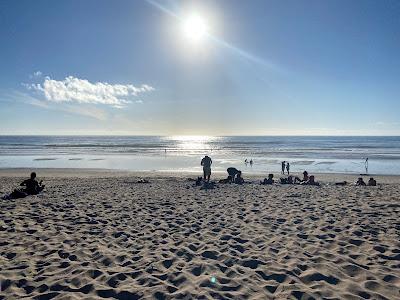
[{"x": 194, "y": 28}]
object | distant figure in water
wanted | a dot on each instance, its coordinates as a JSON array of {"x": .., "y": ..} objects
[
  {"x": 287, "y": 167},
  {"x": 32, "y": 187},
  {"x": 206, "y": 163},
  {"x": 360, "y": 182},
  {"x": 371, "y": 182},
  {"x": 251, "y": 162},
  {"x": 283, "y": 167},
  {"x": 246, "y": 161},
  {"x": 366, "y": 165}
]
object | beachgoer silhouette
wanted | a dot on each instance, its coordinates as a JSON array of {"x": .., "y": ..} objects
[
  {"x": 366, "y": 165},
  {"x": 251, "y": 162},
  {"x": 206, "y": 163},
  {"x": 305, "y": 178},
  {"x": 32, "y": 187},
  {"x": 287, "y": 167},
  {"x": 360, "y": 182},
  {"x": 233, "y": 172},
  {"x": 283, "y": 167},
  {"x": 239, "y": 179},
  {"x": 269, "y": 180},
  {"x": 310, "y": 181},
  {"x": 288, "y": 180},
  {"x": 371, "y": 182}
]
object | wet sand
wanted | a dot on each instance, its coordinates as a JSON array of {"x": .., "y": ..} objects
[{"x": 98, "y": 234}]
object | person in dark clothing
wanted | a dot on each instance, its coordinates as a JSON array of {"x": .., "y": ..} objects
[
  {"x": 32, "y": 187},
  {"x": 283, "y": 167},
  {"x": 269, "y": 180},
  {"x": 239, "y": 179},
  {"x": 287, "y": 168},
  {"x": 288, "y": 180},
  {"x": 305, "y": 178},
  {"x": 371, "y": 182},
  {"x": 310, "y": 181},
  {"x": 233, "y": 172},
  {"x": 206, "y": 163},
  {"x": 360, "y": 182}
]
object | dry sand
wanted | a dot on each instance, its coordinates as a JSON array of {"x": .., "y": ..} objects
[{"x": 100, "y": 234}]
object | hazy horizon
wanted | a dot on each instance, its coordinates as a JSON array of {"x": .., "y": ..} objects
[{"x": 214, "y": 68}]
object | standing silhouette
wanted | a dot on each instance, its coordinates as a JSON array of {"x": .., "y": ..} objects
[{"x": 206, "y": 163}]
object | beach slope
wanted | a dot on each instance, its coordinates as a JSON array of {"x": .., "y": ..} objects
[{"x": 98, "y": 235}]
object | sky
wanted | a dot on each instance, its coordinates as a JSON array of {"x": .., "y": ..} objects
[{"x": 260, "y": 67}]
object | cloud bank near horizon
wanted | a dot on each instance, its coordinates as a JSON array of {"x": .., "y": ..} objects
[{"x": 76, "y": 90}]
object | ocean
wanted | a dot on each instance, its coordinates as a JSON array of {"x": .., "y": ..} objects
[{"x": 318, "y": 154}]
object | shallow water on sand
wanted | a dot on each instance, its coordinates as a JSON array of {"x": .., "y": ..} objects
[{"x": 146, "y": 153}]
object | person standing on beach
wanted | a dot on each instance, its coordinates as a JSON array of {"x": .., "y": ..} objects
[
  {"x": 366, "y": 165},
  {"x": 206, "y": 163},
  {"x": 287, "y": 168},
  {"x": 283, "y": 167}
]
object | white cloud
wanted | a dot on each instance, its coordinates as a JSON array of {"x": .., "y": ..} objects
[{"x": 73, "y": 89}]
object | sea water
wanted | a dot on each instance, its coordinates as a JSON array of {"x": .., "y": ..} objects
[{"x": 323, "y": 154}]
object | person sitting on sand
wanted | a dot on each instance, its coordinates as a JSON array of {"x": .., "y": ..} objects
[
  {"x": 360, "y": 182},
  {"x": 371, "y": 182},
  {"x": 269, "y": 180},
  {"x": 227, "y": 180},
  {"x": 198, "y": 181},
  {"x": 206, "y": 163},
  {"x": 239, "y": 179},
  {"x": 233, "y": 172},
  {"x": 32, "y": 187},
  {"x": 288, "y": 180},
  {"x": 310, "y": 181},
  {"x": 305, "y": 178}
]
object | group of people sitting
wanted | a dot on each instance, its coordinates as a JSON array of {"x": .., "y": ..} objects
[
  {"x": 234, "y": 176},
  {"x": 30, "y": 187},
  {"x": 360, "y": 182},
  {"x": 307, "y": 180}
]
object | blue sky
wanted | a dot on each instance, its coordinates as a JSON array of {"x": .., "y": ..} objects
[{"x": 263, "y": 68}]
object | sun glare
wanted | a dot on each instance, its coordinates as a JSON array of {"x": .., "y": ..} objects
[{"x": 195, "y": 28}]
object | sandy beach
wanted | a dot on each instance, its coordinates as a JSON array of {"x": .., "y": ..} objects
[{"x": 95, "y": 234}]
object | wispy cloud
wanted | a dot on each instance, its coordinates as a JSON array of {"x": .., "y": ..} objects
[
  {"x": 76, "y": 90},
  {"x": 36, "y": 74},
  {"x": 87, "y": 110}
]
